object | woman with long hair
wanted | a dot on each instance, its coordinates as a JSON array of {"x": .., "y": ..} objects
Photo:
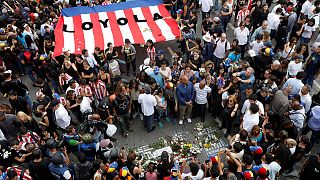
[
  {"x": 151, "y": 51},
  {"x": 230, "y": 114},
  {"x": 134, "y": 92},
  {"x": 28, "y": 122},
  {"x": 289, "y": 48},
  {"x": 30, "y": 43}
]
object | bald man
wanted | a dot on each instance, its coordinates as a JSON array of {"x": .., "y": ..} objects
[
  {"x": 185, "y": 93},
  {"x": 297, "y": 114},
  {"x": 202, "y": 91}
]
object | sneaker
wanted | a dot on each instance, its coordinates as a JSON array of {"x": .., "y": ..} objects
[
  {"x": 167, "y": 119},
  {"x": 181, "y": 122},
  {"x": 189, "y": 120},
  {"x": 125, "y": 135},
  {"x": 141, "y": 117},
  {"x": 160, "y": 124}
]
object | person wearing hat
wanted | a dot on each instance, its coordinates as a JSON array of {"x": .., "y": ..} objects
[
  {"x": 146, "y": 66},
  {"x": 160, "y": 58},
  {"x": 157, "y": 76},
  {"x": 129, "y": 56},
  {"x": 103, "y": 149},
  {"x": 207, "y": 50}
]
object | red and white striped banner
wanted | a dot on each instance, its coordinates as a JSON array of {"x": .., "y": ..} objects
[{"x": 90, "y": 27}]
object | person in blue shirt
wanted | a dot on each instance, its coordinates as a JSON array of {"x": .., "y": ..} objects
[
  {"x": 312, "y": 67},
  {"x": 157, "y": 76},
  {"x": 246, "y": 78},
  {"x": 185, "y": 93}
]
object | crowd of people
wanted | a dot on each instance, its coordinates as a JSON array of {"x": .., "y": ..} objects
[{"x": 257, "y": 85}]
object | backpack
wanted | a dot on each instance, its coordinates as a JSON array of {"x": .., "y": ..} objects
[
  {"x": 225, "y": 46},
  {"x": 83, "y": 172},
  {"x": 101, "y": 154}
]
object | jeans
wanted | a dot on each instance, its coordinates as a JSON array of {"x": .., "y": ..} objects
[
  {"x": 124, "y": 122},
  {"x": 216, "y": 5},
  {"x": 309, "y": 79},
  {"x": 30, "y": 72},
  {"x": 304, "y": 40},
  {"x": 185, "y": 110},
  {"x": 27, "y": 98},
  {"x": 273, "y": 33},
  {"x": 147, "y": 121},
  {"x": 202, "y": 111},
  {"x": 133, "y": 64}
]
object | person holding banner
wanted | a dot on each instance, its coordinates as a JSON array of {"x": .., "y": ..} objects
[{"x": 129, "y": 56}]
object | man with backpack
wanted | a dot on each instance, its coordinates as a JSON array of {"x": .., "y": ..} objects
[
  {"x": 58, "y": 168},
  {"x": 221, "y": 49}
]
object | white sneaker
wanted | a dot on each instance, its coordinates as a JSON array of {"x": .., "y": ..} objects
[
  {"x": 181, "y": 122},
  {"x": 189, "y": 120}
]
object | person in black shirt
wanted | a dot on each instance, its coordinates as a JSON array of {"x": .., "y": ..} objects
[
  {"x": 192, "y": 22},
  {"x": 18, "y": 103},
  {"x": 44, "y": 87},
  {"x": 122, "y": 109},
  {"x": 206, "y": 25},
  {"x": 291, "y": 129},
  {"x": 39, "y": 166}
]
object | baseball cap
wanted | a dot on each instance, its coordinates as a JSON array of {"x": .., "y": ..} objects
[
  {"x": 65, "y": 49},
  {"x": 160, "y": 52},
  {"x": 214, "y": 159},
  {"x": 8, "y": 72},
  {"x": 216, "y": 19},
  {"x": 276, "y": 62},
  {"x": 104, "y": 143},
  {"x": 127, "y": 41},
  {"x": 247, "y": 175},
  {"x": 54, "y": 102},
  {"x": 156, "y": 69},
  {"x": 180, "y": 11},
  {"x": 112, "y": 167},
  {"x": 256, "y": 150}
]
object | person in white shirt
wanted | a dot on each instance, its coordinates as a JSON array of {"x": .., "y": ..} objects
[
  {"x": 250, "y": 118},
  {"x": 274, "y": 21},
  {"x": 62, "y": 117},
  {"x": 195, "y": 174},
  {"x": 242, "y": 33},
  {"x": 307, "y": 9},
  {"x": 148, "y": 102},
  {"x": 146, "y": 66},
  {"x": 91, "y": 60},
  {"x": 296, "y": 83},
  {"x": 257, "y": 45},
  {"x": 252, "y": 100},
  {"x": 295, "y": 66},
  {"x": 165, "y": 71},
  {"x": 221, "y": 50},
  {"x": 272, "y": 166},
  {"x": 202, "y": 91},
  {"x": 305, "y": 97},
  {"x": 205, "y": 7},
  {"x": 297, "y": 115}
]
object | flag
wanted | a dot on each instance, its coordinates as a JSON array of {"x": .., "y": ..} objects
[{"x": 89, "y": 27}]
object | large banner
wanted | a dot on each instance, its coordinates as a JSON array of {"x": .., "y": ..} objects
[{"x": 90, "y": 27}]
